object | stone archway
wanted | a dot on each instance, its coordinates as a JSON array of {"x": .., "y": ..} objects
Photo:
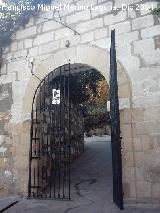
[{"x": 98, "y": 59}]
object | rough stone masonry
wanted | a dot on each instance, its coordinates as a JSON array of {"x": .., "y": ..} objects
[{"x": 43, "y": 42}]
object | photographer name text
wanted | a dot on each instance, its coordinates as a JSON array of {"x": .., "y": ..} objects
[{"x": 78, "y": 7}]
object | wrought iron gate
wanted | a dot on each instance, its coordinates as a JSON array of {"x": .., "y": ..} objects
[
  {"x": 115, "y": 128},
  {"x": 50, "y": 149}
]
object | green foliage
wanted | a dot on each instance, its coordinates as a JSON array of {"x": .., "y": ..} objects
[
  {"x": 10, "y": 20},
  {"x": 89, "y": 90},
  {"x": 96, "y": 121},
  {"x": 84, "y": 86},
  {"x": 156, "y": 11}
]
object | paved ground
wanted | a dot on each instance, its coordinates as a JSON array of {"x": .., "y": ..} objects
[{"x": 91, "y": 186}]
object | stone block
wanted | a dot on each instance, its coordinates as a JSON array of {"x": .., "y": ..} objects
[
  {"x": 28, "y": 43},
  {"x": 123, "y": 51},
  {"x": 153, "y": 59},
  {"x": 152, "y": 164},
  {"x": 128, "y": 175},
  {"x": 147, "y": 7},
  {"x": 157, "y": 42},
  {"x": 121, "y": 115},
  {"x": 126, "y": 190},
  {"x": 62, "y": 33},
  {"x": 142, "y": 22},
  {"x": 127, "y": 144},
  {"x": 146, "y": 143},
  {"x": 127, "y": 116},
  {"x": 28, "y": 32},
  {"x": 90, "y": 25},
  {"x": 155, "y": 189},
  {"x": 39, "y": 28},
  {"x": 33, "y": 51},
  {"x": 143, "y": 189},
  {"x": 87, "y": 37},
  {"x": 64, "y": 56},
  {"x": 149, "y": 54},
  {"x": 43, "y": 16},
  {"x": 124, "y": 103},
  {"x": 127, "y": 38},
  {"x": 102, "y": 43},
  {"x": 122, "y": 78},
  {"x": 126, "y": 131},
  {"x": 122, "y": 27},
  {"x": 2, "y": 139},
  {"x": 66, "y": 11},
  {"x": 137, "y": 144},
  {"x": 101, "y": 33},
  {"x": 124, "y": 91},
  {"x": 140, "y": 174},
  {"x": 7, "y": 56},
  {"x": 47, "y": 48},
  {"x": 155, "y": 141},
  {"x": 14, "y": 46},
  {"x": 20, "y": 53},
  {"x": 6, "y": 97},
  {"x": 44, "y": 38},
  {"x": 138, "y": 115},
  {"x": 128, "y": 159},
  {"x": 101, "y": 9},
  {"x": 51, "y": 25},
  {"x": 143, "y": 101},
  {"x": 153, "y": 127},
  {"x": 151, "y": 86},
  {"x": 152, "y": 113},
  {"x": 139, "y": 159},
  {"x": 2, "y": 125},
  {"x": 142, "y": 128},
  {"x": 150, "y": 31},
  {"x": 20, "y": 45},
  {"x": 78, "y": 16},
  {"x": 74, "y": 40},
  {"x": 131, "y": 13},
  {"x": 112, "y": 19},
  {"x": 3, "y": 69}
]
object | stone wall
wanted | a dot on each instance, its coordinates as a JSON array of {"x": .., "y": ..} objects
[{"x": 43, "y": 42}]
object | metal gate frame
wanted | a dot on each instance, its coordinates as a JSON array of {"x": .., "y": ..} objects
[
  {"x": 43, "y": 179},
  {"x": 50, "y": 148},
  {"x": 115, "y": 128}
]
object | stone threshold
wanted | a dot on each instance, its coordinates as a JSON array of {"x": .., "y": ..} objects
[{"x": 8, "y": 202}]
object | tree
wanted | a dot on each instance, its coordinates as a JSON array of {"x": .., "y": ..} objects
[
  {"x": 90, "y": 91},
  {"x": 156, "y": 11},
  {"x": 11, "y": 20}
]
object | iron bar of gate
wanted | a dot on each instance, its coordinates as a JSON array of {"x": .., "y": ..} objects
[
  {"x": 40, "y": 135},
  {"x": 40, "y": 173},
  {"x": 55, "y": 146},
  {"x": 115, "y": 127},
  {"x": 49, "y": 129},
  {"x": 43, "y": 140},
  {"x": 59, "y": 129},
  {"x": 64, "y": 138},
  {"x": 30, "y": 150},
  {"x": 69, "y": 141}
]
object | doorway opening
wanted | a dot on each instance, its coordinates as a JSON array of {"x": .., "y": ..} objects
[
  {"x": 55, "y": 141},
  {"x": 69, "y": 103}
]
